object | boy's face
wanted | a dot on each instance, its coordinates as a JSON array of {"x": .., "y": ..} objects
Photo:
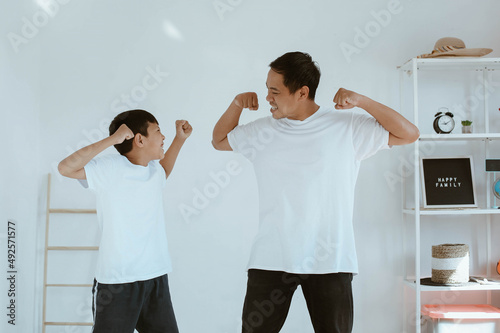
[
  {"x": 283, "y": 103},
  {"x": 153, "y": 143}
]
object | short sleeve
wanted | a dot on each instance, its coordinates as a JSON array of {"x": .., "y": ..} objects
[
  {"x": 239, "y": 135},
  {"x": 99, "y": 172},
  {"x": 161, "y": 173},
  {"x": 368, "y": 136},
  {"x": 242, "y": 137}
]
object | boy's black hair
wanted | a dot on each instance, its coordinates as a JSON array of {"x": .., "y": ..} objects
[
  {"x": 298, "y": 70},
  {"x": 138, "y": 122}
]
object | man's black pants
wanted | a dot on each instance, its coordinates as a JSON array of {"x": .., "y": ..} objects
[{"x": 269, "y": 295}]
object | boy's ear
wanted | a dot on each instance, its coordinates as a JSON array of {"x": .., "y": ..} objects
[{"x": 139, "y": 140}]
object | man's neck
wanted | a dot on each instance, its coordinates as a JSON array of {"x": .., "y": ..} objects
[{"x": 308, "y": 110}]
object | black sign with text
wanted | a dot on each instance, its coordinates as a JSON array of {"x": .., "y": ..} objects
[{"x": 448, "y": 182}]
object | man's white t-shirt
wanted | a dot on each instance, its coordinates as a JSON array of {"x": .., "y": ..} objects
[
  {"x": 133, "y": 243},
  {"x": 306, "y": 174}
]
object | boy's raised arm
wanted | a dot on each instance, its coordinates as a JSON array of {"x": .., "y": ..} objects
[
  {"x": 229, "y": 120},
  {"x": 72, "y": 166},
  {"x": 183, "y": 130}
]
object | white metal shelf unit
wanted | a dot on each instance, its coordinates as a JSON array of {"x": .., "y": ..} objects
[{"x": 412, "y": 69}]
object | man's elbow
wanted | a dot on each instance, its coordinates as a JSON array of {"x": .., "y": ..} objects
[
  {"x": 218, "y": 145},
  {"x": 413, "y": 135},
  {"x": 409, "y": 136},
  {"x": 214, "y": 145},
  {"x": 222, "y": 145}
]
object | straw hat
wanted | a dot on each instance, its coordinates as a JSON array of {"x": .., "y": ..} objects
[{"x": 454, "y": 47}]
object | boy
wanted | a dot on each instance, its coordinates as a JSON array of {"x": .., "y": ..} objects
[
  {"x": 131, "y": 283},
  {"x": 306, "y": 160}
]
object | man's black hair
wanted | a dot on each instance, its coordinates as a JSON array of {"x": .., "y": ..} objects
[
  {"x": 138, "y": 122},
  {"x": 298, "y": 70}
]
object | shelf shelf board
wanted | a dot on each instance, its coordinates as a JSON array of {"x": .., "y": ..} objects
[
  {"x": 468, "y": 287},
  {"x": 453, "y": 63},
  {"x": 453, "y": 211},
  {"x": 458, "y": 137}
]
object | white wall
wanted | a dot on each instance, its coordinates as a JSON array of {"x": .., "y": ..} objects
[
  {"x": 75, "y": 73},
  {"x": 19, "y": 176}
]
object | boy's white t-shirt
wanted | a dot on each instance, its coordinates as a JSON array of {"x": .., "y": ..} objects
[
  {"x": 133, "y": 243},
  {"x": 306, "y": 174}
]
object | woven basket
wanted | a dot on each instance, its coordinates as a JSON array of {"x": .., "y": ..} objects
[{"x": 450, "y": 263}]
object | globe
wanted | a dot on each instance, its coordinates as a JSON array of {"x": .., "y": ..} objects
[{"x": 496, "y": 188}]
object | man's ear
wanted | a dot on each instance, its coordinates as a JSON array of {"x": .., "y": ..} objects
[
  {"x": 303, "y": 93},
  {"x": 139, "y": 140}
]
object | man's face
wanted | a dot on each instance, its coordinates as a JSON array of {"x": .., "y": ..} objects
[
  {"x": 154, "y": 142},
  {"x": 283, "y": 104}
]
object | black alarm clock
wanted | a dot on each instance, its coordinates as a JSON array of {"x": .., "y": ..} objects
[{"x": 443, "y": 122}]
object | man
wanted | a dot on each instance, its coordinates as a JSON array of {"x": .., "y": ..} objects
[{"x": 306, "y": 160}]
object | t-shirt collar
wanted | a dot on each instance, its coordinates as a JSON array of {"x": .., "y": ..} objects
[{"x": 296, "y": 122}]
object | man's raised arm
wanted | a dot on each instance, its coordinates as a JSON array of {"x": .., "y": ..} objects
[
  {"x": 401, "y": 131},
  {"x": 229, "y": 120}
]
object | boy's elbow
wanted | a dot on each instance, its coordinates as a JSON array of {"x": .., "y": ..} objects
[
  {"x": 65, "y": 171},
  {"x": 62, "y": 170}
]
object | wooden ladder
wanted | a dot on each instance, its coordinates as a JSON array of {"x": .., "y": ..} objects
[{"x": 49, "y": 248}]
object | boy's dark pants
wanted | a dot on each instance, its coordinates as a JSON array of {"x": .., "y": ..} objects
[
  {"x": 269, "y": 294},
  {"x": 141, "y": 305}
]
